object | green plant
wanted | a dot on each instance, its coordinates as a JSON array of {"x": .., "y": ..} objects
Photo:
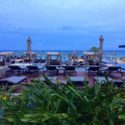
[
  {"x": 94, "y": 49},
  {"x": 55, "y": 104}
]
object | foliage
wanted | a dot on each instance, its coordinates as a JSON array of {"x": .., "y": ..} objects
[
  {"x": 56, "y": 104},
  {"x": 94, "y": 49}
]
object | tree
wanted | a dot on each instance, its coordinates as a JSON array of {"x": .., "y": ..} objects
[{"x": 94, "y": 49}]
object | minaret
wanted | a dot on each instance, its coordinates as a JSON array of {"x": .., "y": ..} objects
[
  {"x": 101, "y": 39},
  {"x": 29, "y": 42}
]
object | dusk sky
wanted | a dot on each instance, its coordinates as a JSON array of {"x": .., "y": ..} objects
[{"x": 61, "y": 24}]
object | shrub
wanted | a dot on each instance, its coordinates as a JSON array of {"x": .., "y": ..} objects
[{"x": 55, "y": 104}]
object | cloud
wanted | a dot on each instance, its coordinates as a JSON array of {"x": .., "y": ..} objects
[{"x": 71, "y": 20}]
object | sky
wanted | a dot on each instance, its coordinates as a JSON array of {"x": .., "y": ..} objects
[{"x": 61, "y": 24}]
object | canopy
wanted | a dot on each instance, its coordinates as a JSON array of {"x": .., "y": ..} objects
[
  {"x": 6, "y": 53},
  {"x": 89, "y": 53},
  {"x": 53, "y": 54},
  {"x": 32, "y": 53}
]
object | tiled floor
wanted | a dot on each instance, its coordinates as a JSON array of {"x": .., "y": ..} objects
[{"x": 80, "y": 72}]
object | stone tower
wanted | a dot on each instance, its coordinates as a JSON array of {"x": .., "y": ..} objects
[
  {"x": 101, "y": 39},
  {"x": 29, "y": 42}
]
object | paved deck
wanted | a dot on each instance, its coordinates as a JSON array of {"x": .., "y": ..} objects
[{"x": 81, "y": 73}]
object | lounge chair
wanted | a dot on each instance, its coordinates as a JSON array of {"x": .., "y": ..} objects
[
  {"x": 51, "y": 69},
  {"x": 16, "y": 69},
  {"x": 116, "y": 82},
  {"x": 102, "y": 79},
  {"x": 112, "y": 71},
  {"x": 93, "y": 69},
  {"x": 13, "y": 80},
  {"x": 33, "y": 69},
  {"x": 70, "y": 69},
  {"x": 78, "y": 81},
  {"x": 81, "y": 63},
  {"x": 54, "y": 80}
]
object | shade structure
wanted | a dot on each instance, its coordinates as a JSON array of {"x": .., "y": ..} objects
[
  {"x": 6, "y": 54},
  {"x": 56, "y": 61},
  {"x": 121, "y": 46}
]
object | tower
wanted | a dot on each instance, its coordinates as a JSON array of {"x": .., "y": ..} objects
[
  {"x": 29, "y": 42},
  {"x": 101, "y": 39}
]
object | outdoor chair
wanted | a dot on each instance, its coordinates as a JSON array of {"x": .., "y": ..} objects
[
  {"x": 112, "y": 71},
  {"x": 93, "y": 69},
  {"x": 13, "y": 80},
  {"x": 81, "y": 63},
  {"x": 70, "y": 69},
  {"x": 53, "y": 80},
  {"x": 102, "y": 80},
  {"x": 32, "y": 69},
  {"x": 2, "y": 63},
  {"x": 51, "y": 69},
  {"x": 78, "y": 81},
  {"x": 15, "y": 69}
]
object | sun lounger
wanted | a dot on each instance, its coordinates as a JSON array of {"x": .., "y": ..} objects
[
  {"x": 102, "y": 80},
  {"x": 16, "y": 69},
  {"x": 51, "y": 69},
  {"x": 113, "y": 71},
  {"x": 70, "y": 69},
  {"x": 13, "y": 80},
  {"x": 93, "y": 69},
  {"x": 33, "y": 69},
  {"x": 78, "y": 81},
  {"x": 54, "y": 80}
]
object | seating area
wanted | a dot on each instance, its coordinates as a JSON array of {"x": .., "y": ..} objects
[
  {"x": 75, "y": 69},
  {"x": 62, "y": 72}
]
